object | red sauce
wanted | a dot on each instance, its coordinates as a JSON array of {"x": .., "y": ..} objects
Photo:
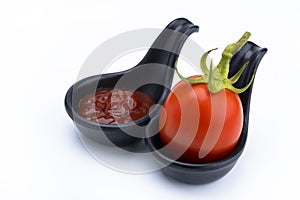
[{"x": 115, "y": 106}]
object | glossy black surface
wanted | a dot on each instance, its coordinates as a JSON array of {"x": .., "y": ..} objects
[
  {"x": 209, "y": 172},
  {"x": 153, "y": 76}
]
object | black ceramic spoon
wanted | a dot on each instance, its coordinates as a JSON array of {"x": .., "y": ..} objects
[
  {"x": 209, "y": 172},
  {"x": 153, "y": 76}
]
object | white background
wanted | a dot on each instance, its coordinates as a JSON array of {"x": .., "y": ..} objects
[{"x": 42, "y": 47}]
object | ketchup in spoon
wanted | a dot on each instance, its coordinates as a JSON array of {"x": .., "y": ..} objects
[{"x": 115, "y": 106}]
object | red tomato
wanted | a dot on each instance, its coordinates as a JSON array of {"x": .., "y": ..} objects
[{"x": 200, "y": 126}]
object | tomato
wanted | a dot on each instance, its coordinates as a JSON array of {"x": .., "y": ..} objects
[
  {"x": 231, "y": 122},
  {"x": 202, "y": 118}
]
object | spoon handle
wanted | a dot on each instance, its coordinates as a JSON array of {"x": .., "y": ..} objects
[
  {"x": 168, "y": 44},
  {"x": 252, "y": 54}
]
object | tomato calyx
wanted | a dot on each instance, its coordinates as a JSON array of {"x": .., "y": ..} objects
[{"x": 217, "y": 78}]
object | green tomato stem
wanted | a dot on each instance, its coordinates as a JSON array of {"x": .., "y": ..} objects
[
  {"x": 229, "y": 51},
  {"x": 217, "y": 78},
  {"x": 203, "y": 62}
]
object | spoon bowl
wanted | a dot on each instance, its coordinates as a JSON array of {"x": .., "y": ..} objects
[
  {"x": 208, "y": 172},
  {"x": 153, "y": 75}
]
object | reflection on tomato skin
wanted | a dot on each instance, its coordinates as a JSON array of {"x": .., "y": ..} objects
[{"x": 217, "y": 130}]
